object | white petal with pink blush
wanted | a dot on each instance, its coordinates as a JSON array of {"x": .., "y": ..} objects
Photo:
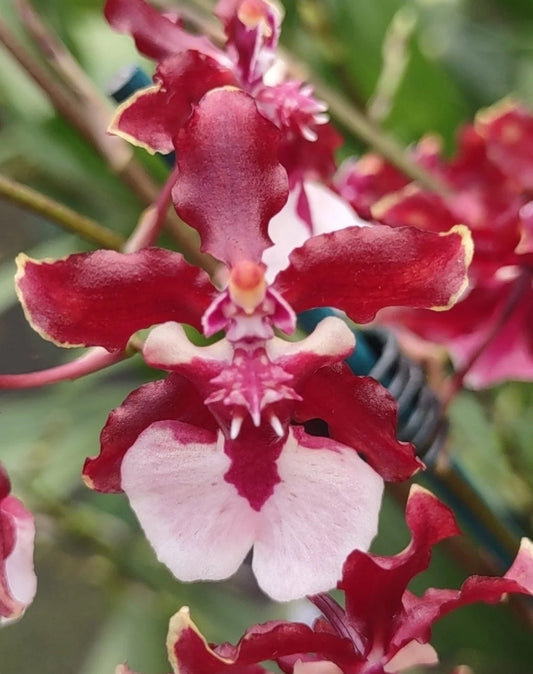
[
  {"x": 18, "y": 582},
  {"x": 329, "y": 213},
  {"x": 326, "y": 504}
]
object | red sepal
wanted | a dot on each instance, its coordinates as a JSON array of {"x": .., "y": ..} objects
[
  {"x": 102, "y": 298},
  {"x": 360, "y": 413},
  {"x": 230, "y": 182},
  {"x": 153, "y": 116},
  {"x": 362, "y": 270},
  {"x": 173, "y": 398}
]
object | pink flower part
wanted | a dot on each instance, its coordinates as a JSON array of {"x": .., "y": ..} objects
[
  {"x": 156, "y": 36},
  {"x": 152, "y": 117},
  {"x": 248, "y": 309},
  {"x": 257, "y": 378},
  {"x": 525, "y": 245},
  {"x": 509, "y": 354},
  {"x": 230, "y": 183},
  {"x": 124, "y": 669},
  {"x": 252, "y": 29},
  {"x": 320, "y": 667},
  {"x": 292, "y": 105},
  {"x": 411, "y": 655},
  {"x": 17, "y": 532},
  {"x": 102, "y": 298},
  {"x": 176, "y": 478},
  {"x": 362, "y": 270}
]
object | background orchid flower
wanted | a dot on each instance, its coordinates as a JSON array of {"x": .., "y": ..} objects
[
  {"x": 17, "y": 532},
  {"x": 489, "y": 332},
  {"x": 383, "y": 629},
  {"x": 208, "y": 486},
  {"x": 189, "y": 66}
]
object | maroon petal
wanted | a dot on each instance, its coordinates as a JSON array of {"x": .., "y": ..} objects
[
  {"x": 145, "y": 120},
  {"x": 492, "y": 216},
  {"x": 360, "y": 413},
  {"x": 230, "y": 181},
  {"x": 155, "y": 35},
  {"x": 374, "y": 585},
  {"x": 102, "y": 298},
  {"x": 362, "y": 270},
  {"x": 414, "y": 207},
  {"x": 189, "y": 652},
  {"x": 312, "y": 159},
  {"x": 422, "y": 612},
  {"x": 152, "y": 117},
  {"x": 469, "y": 324},
  {"x": 173, "y": 398},
  {"x": 252, "y": 29}
]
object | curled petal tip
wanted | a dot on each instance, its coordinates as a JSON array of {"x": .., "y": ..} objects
[{"x": 468, "y": 248}]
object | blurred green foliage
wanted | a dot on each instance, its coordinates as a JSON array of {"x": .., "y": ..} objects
[{"x": 102, "y": 596}]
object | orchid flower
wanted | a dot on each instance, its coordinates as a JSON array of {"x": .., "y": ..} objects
[
  {"x": 383, "y": 629},
  {"x": 189, "y": 66},
  {"x": 17, "y": 533},
  {"x": 210, "y": 458},
  {"x": 489, "y": 333}
]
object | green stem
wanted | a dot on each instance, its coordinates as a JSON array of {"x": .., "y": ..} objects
[{"x": 67, "y": 218}]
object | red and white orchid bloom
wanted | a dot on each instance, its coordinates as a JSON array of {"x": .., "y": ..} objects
[
  {"x": 210, "y": 458},
  {"x": 490, "y": 332},
  {"x": 383, "y": 629},
  {"x": 189, "y": 66},
  {"x": 17, "y": 532}
]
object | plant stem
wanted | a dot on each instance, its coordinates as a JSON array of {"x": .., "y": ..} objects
[
  {"x": 69, "y": 219},
  {"x": 94, "y": 360}
]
